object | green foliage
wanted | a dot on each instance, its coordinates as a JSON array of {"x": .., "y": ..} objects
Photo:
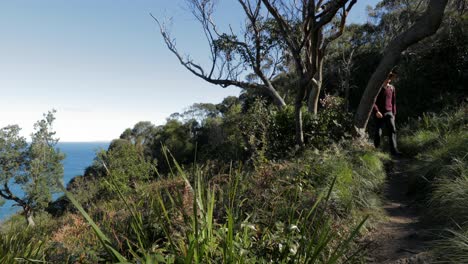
[
  {"x": 179, "y": 137},
  {"x": 35, "y": 167},
  {"x": 220, "y": 136},
  {"x": 44, "y": 169},
  {"x": 309, "y": 209},
  {"x": 203, "y": 132},
  {"x": 127, "y": 165},
  {"x": 237, "y": 130},
  {"x": 332, "y": 124},
  {"x": 12, "y": 154},
  {"x": 273, "y": 215},
  {"x": 437, "y": 140},
  {"x": 360, "y": 175},
  {"x": 256, "y": 128}
]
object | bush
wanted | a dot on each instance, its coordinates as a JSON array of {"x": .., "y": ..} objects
[
  {"x": 332, "y": 124},
  {"x": 74, "y": 241}
]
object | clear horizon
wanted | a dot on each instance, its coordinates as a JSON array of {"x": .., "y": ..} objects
[{"x": 103, "y": 64}]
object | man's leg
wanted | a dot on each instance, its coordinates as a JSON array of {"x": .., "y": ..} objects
[
  {"x": 379, "y": 123},
  {"x": 392, "y": 137}
]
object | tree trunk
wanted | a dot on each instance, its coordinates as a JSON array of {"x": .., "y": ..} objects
[
  {"x": 298, "y": 114},
  {"x": 346, "y": 88},
  {"x": 314, "y": 98},
  {"x": 348, "y": 63},
  {"x": 426, "y": 26},
  {"x": 29, "y": 217},
  {"x": 279, "y": 101},
  {"x": 298, "y": 121}
]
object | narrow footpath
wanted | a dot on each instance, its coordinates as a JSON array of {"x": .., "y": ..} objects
[{"x": 400, "y": 238}]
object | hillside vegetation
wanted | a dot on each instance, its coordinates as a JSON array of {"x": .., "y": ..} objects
[{"x": 256, "y": 178}]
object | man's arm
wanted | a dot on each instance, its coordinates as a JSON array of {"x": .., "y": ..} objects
[
  {"x": 376, "y": 109},
  {"x": 394, "y": 101}
]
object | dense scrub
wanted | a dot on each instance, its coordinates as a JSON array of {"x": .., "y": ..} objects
[
  {"x": 440, "y": 145},
  {"x": 306, "y": 209}
]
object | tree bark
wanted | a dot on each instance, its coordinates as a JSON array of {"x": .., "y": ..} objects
[
  {"x": 299, "y": 128},
  {"x": 29, "y": 217},
  {"x": 298, "y": 113},
  {"x": 426, "y": 26},
  {"x": 27, "y": 210},
  {"x": 313, "y": 99}
]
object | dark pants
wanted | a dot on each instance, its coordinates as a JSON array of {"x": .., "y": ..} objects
[{"x": 388, "y": 121}]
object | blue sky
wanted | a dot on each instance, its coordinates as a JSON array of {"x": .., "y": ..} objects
[{"x": 102, "y": 63}]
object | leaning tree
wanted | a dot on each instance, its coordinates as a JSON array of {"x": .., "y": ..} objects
[
  {"x": 427, "y": 24},
  {"x": 278, "y": 37}
]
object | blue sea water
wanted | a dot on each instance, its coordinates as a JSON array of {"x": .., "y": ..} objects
[{"x": 78, "y": 156}]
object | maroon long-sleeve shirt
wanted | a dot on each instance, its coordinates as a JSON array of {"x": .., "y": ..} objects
[{"x": 386, "y": 100}]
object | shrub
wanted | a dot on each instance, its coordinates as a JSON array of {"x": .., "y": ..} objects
[
  {"x": 205, "y": 222},
  {"x": 332, "y": 124},
  {"x": 74, "y": 241}
]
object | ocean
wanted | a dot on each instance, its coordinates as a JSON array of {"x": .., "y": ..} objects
[{"x": 78, "y": 156}]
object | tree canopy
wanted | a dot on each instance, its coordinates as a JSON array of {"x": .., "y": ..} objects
[{"x": 35, "y": 167}]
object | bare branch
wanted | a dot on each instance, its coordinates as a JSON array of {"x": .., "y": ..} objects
[
  {"x": 229, "y": 69},
  {"x": 336, "y": 35}
]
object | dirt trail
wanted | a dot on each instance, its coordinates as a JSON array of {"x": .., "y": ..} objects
[{"x": 400, "y": 238}]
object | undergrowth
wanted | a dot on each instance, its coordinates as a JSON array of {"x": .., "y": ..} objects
[
  {"x": 310, "y": 209},
  {"x": 439, "y": 143}
]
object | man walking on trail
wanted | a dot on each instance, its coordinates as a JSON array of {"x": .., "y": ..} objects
[{"x": 385, "y": 111}]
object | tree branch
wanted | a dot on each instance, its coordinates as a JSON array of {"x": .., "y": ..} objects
[
  {"x": 329, "y": 13},
  {"x": 284, "y": 26},
  {"x": 342, "y": 25}
]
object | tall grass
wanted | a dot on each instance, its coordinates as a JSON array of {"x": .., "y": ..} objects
[
  {"x": 450, "y": 194},
  {"x": 16, "y": 247},
  {"x": 454, "y": 248},
  {"x": 440, "y": 145}
]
